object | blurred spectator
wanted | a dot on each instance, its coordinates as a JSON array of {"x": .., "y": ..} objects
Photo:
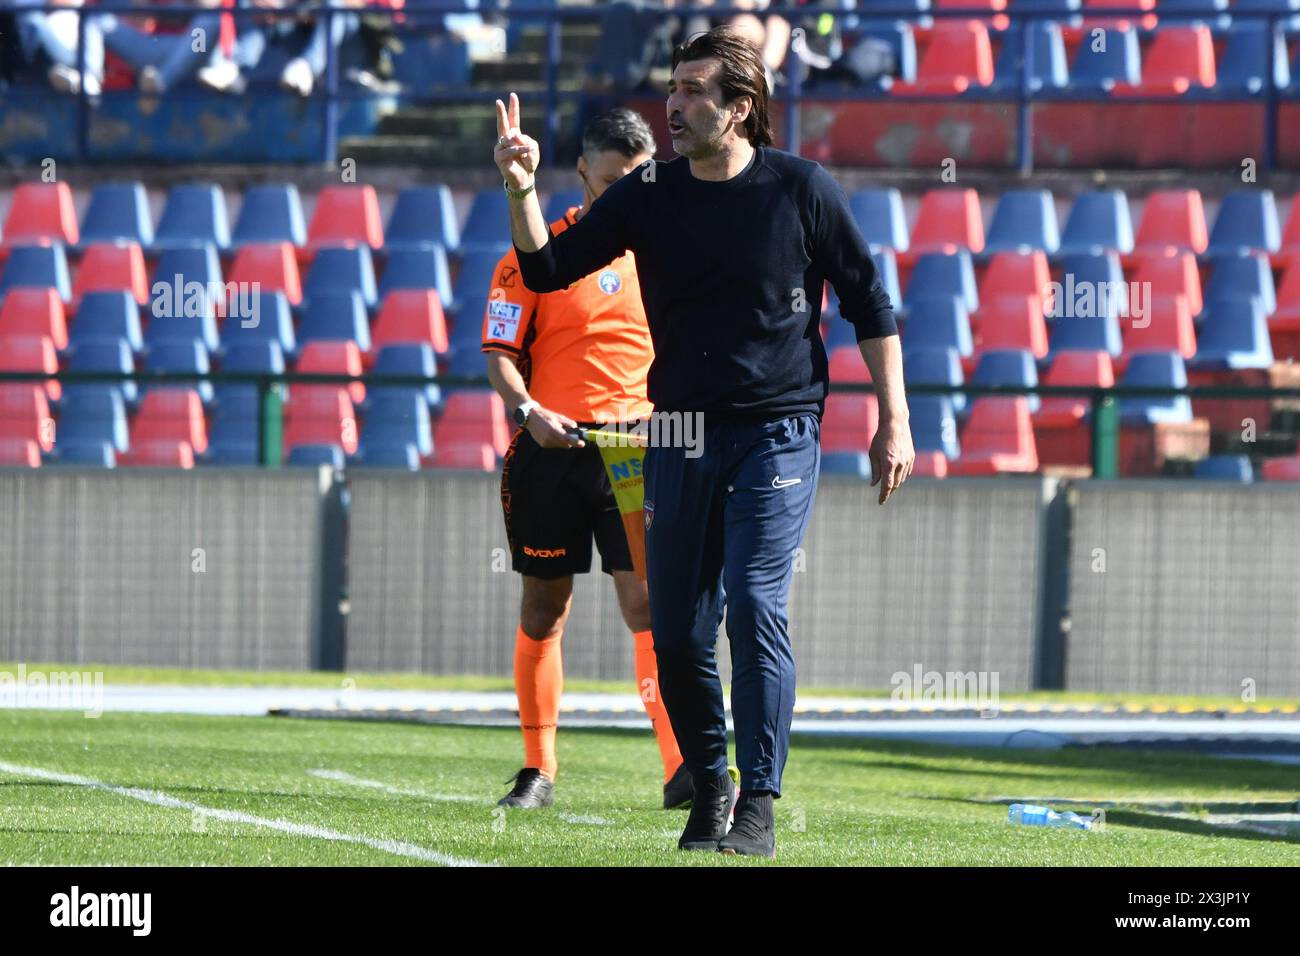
[
  {"x": 48, "y": 43},
  {"x": 163, "y": 57}
]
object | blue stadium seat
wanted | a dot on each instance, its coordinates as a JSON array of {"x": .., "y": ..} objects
[
  {"x": 190, "y": 326},
  {"x": 879, "y": 215},
  {"x": 264, "y": 356},
  {"x": 488, "y": 224},
  {"x": 107, "y": 315},
  {"x": 425, "y": 62},
  {"x": 1049, "y": 68},
  {"x": 934, "y": 426},
  {"x": 1233, "y": 335},
  {"x": 1155, "y": 368},
  {"x": 178, "y": 356},
  {"x": 194, "y": 213},
  {"x": 1086, "y": 273},
  {"x": 1241, "y": 277},
  {"x": 1247, "y": 222},
  {"x": 887, "y": 266},
  {"x": 474, "y": 280},
  {"x": 894, "y": 35},
  {"x": 1008, "y": 367},
  {"x": 467, "y": 362},
  {"x": 938, "y": 322},
  {"x": 337, "y": 316},
  {"x": 1225, "y": 468},
  {"x": 1099, "y": 221},
  {"x": 1099, "y": 333},
  {"x": 272, "y": 213},
  {"x": 561, "y": 201},
  {"x": 1063, "y": 7},
  {"x": 264, "y": 318},
  {"x": 1243, "y": 68},
  {"x": 1214, "y": 10},
  {"x": 93, "y": 414},
  {"x": 1113, "y": 57},
  {"x": 232, "y": 436},
  {"x": 37, "y": 267},
  {"x": 406, "y": 359},
  {"x": 404, "y": 457},
  {"x": 423, "y": 215},
  {"x": 104, "y": 355},
  {"x": 92, "y": 454},
  {"x": 193, "y": 263},
  {"x": 943, "y": 274},
  {"x": 118, "y": 212},
  {"x": 853, "y": 464},
  {"x": 936, "y": 367},
  {"x": 342, "y": 270},
  {"x": 418, "y": 267},
  {"x": 838, "y": 330},
  {"x": 314, "y": 456},
  {"x": 184, "y": 296},
  {"x": 1024, "y": 219},
  {"x": 397, "y": 420}
]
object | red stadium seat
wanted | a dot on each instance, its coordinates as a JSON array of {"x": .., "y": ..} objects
[
  {"x": 850, "y": 422},
  {"x": 171, "y": 415},
  {"x": 1012, "y": 322},
  {"x": 346, "y": 214},
  {"x": 478, "y": 456},
  {"x": 17, "y": 452},
  {"x": 1060, "y": 431},
  {"x": 410, "y": 315},
  {"x": 990, "y": 10},
  {"x": 959, "y": 57},
  {"x": 473, "y": 417},
  {"x": 1289, "y": 252},
  {"x": 320, "y": 415},
  {"x": 949, "y": 220},
  {"x": 336, "y": 357},
  {"x": 1016, "y": 273},
  {"x": 998, "y": 437},
  {"x": 273, "y": 265},
  {"x": 34, "y": 313},
  {"x": 1179, "y": 59},
  {"x": 931, "y": 464},
  {"x": 1284, "y": 323},
  {"x": 847, "y": 365},
  {"x": 1171, "y": 275},
  {"x": 112, "y": 268},
  {"x": 159, "y": 454},
  {"x": 41, "y": 213},
  {"x": 32, "y": 354},
  {"x": 1168, "y": 328},
  {"x": 25, "y": 415},
  {"x": 1092, "y": 7},
  {"x": 1281, "y": 469},
  {"x": 1173, "y": 220}
]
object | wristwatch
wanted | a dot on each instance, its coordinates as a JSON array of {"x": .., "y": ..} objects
[
  {"x": 518, "y": 193},
  {"x": 523, "y": 411}
]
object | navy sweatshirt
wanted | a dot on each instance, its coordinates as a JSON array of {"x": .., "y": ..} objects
[{"x": 731, "y": 278}]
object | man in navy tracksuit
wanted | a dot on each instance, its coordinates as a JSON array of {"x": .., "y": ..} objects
[{"x": 733, "y": 241}]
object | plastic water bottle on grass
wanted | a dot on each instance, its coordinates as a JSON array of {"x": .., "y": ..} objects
[{"x": 1026, "y": 814}]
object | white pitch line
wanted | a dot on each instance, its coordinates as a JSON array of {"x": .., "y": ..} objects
[
  {"x": 158, "y": 798},
  {"x": 341, "y": 777}
]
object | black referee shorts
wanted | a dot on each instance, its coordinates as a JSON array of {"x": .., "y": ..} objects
[{"x": 555, "y": 500}]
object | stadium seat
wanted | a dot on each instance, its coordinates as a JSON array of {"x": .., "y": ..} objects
[
  {"x": 320, "y": 415},
  {"x": 264, "y": 357},
  {"x": 423, "y": 215},
  {"x": 34, "y": 313},
  {"x": 1225, "y": 468},
  {"x": 1233, "y": 335},
  {"x": 1064, "y": 8},
  {"x": 160, "y": 454},
  {"x": 104, "y": 355},
  {"x": 949, "y": 220},
  {"x": 930, "y": 464},
  {"x": 463, "y": 455},
  {"x": 41, "y": 213},
  {"x": 1242, "y": 276},
  {"x": 938, "y": 323},
  {"x": 487, "y": 228},
  {"x": 342, "y": 270},
  {"x": 1008, "y": 367},
  {"x": 407, "y": 458},
  {"x": 273, "y": 266},
  {"x": 421, "y": 267},
  {"x": 850, "y": 464},
  {"x": 410, "y": 316},
  {"x": 334, "y": 357},
  {"x": 880, "y": 217},
  {"x": 849, "y": 422},
  {"x": 1091, "y": 369},
  {"x": 1012, "y": 322},
  {"x": 118, "y": 212},
  {"x": 475, "y": 416},
  {"x": 407, "y": 359},
  {"x": 108, "y": 267},
  {"x": 1156, "y": 369},
  {"x": 1099, "y": 222},
  {"x": 264, "y": 317},
  {"x": 194, "y": 213},
  {"x": 934, "y": 425},
  {"x": 1179, "y": 60},
  {"x": 1168, "y": 328},
  {"x": 1173, "y": 220},
  {"x": 1024, "y": 219},
  {"x": 1087, "y": 333},
  {"x": 846, "y": 365},
  {"x": 998, "y": 438},
  {"x": 177, "y": 357},
  {"x": 196, "y": 323},
  {"x": 37, "y": 267},
  {"x": 93, "y": 414},
  {"x": 233, "y": 437},
  {"x": 25, "y": 414},
  {"x": 271, "y": 213},
  {"x": 1280, "y": 469},
  {"x": 1247, "y": 222},
  {"x": 171, "y": 414},
  {"x": 1170, "y": 275},
  {"x": 346, "y": 214},
  {"x": 93, "y": 454},
  {"x": 18, "y": 452},
  {"x": 184, "y": 266},
  {"x": 1016, "y": 274},
  {"x": 336, "y": 317},
  {"x": 895, "y": 38},
  {"x": 313, "y": 456},
  {"x": 1106, "y": 60},
  {"x": 936, "y": 367},
  {"x": 1243, "y": 70},
  {"x": 959, "y": 58},
  {"x": 107, "y": 315},
  {"x": 32, "y": 355},
  {"x": 1094, "y": 16},
  {"x": 561, "y": 202},
  {"x": 397, "y": 420},
  {"x": 943, "y": 274},
  {"x": 887, "y": 268},
  {"x": 1049, "y": 67}
]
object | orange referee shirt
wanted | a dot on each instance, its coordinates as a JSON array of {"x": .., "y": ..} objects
[{"x": 583, "y": 351}]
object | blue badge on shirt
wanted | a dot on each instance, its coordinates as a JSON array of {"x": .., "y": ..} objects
[{"x": 609, "y": 282}]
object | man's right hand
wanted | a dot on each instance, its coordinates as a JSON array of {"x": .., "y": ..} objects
[
  {"x": 516, "y": 155},
  {"x": 550, "y": 429}
]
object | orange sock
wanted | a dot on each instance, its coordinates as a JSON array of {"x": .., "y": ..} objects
[
  {"x": 647, "y": 682},
  {"x": 539, "y": 681}
]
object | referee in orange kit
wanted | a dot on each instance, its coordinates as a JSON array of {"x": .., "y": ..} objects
[{"x": 576, "y": 356}]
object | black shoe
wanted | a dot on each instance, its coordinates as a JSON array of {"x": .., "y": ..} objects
[
  {"x": 754, "y": 832},
  {"x": 711, "y": 806},
  {"x": 532, "y": 789},
  {"x": 679, "y": 790}
]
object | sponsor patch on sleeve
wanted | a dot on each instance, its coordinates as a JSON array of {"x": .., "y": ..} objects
[{"x": 503, "y": 321}]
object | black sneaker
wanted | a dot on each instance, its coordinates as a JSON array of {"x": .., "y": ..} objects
[
  {"x": 533, "y": 789},
  {"x": 754, "y": 831},
  {"x": 679, "y": 790},
  {"x": 711, "y": 805}
]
